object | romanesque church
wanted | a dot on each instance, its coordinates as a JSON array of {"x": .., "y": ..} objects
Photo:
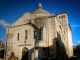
[{"x": 40, "y": 34}]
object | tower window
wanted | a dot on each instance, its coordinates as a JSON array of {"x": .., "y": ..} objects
[
  {"x": 18, "y": 37},
  {"x": 26, "y": 33},
  {"x": 59, "y": 17},
  {"x": 63, "y": 16}
]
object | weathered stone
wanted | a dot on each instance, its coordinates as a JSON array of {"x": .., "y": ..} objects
[{"x": 44, "y": 31}]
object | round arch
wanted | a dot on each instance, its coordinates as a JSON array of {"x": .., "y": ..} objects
[{"x": 25, "y": 53}]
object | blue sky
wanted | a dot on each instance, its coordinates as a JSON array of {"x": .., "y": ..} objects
[{"x": 11, "y": 10}]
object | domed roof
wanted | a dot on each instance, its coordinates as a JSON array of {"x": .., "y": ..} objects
[{"x": 39, "y": 10}]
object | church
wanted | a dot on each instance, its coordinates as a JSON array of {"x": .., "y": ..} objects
[{"x": 40, "y": 34}]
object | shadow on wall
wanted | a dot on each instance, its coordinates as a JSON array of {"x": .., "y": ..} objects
[
  {"x": 37, "y": 32},
  {"x": 61, "y": 51},
  {"x": 56, "y": 50}
]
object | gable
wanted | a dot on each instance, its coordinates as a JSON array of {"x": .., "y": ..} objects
[{"x": 23, "y": 20}]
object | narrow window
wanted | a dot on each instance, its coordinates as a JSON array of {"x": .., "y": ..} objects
[
  {"x": 59, "y": 17},
  {"x": 64, "y": 16},
  {"x": 26, "y": 33},
  {"x": 18, "y": 37}
]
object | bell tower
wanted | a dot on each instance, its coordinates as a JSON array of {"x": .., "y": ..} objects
[{"x": 63, "y": 18}]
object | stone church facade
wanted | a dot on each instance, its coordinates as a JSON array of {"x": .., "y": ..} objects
[{"x": 41, "y": 34}]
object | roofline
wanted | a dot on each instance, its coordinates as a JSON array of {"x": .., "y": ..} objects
[{"x": 62, "y": 13}]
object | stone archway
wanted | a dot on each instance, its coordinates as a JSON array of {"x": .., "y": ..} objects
[{"x": 25, "y": 54}]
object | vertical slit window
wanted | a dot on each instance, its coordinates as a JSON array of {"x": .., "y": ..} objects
[
  {"x": 26, "y": 33},
  {"x": 18, "y": 37},
  {"x": 59, "y": 17}
]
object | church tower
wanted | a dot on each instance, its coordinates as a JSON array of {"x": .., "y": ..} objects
[{"x": 63, "y": 18}]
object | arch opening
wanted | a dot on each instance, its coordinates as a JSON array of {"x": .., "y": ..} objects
[{"x": 25, "y": 54}]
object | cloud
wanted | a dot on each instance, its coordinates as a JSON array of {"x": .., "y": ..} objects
[
  {"x": 73, "y": 44},
  {"x": 75, "y": 25},
  {"x": 3, "y": 23},
  {"x": 78, "y": 42},
  {"x": 1, "y": 38}
]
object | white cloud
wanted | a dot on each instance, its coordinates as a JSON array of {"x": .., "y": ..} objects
[
  {"x": 78, "y": 42},
  {"x": 75, "y": 25},
  {"x": 3, "y": 23},
  {"x": 1, "y": 38},
  {"x": 73, "y": 44}
]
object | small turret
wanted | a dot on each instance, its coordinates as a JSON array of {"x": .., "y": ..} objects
[{"x": 39, "y": 6}]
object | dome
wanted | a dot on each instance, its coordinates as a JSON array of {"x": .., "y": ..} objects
[{"x": 39, "y": 10}]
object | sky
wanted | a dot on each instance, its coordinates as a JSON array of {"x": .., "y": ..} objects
[{"x": 11, "y": 10}]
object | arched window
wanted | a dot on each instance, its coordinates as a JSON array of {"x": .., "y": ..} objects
[
  {"x": 25, "y": 54},
  {"x": 25, "y": 49}
]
